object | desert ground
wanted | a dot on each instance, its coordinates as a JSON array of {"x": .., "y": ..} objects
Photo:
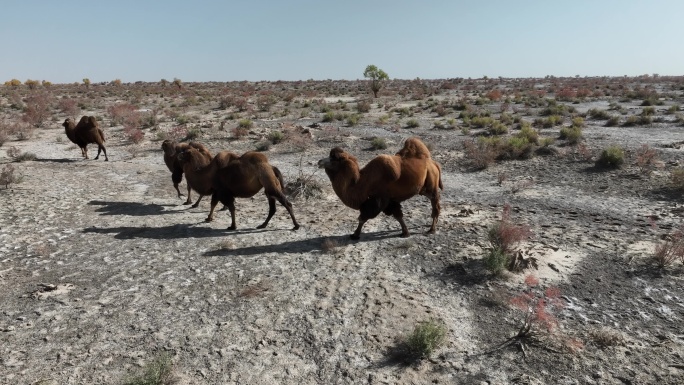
[{"x": 103, "y": 269}]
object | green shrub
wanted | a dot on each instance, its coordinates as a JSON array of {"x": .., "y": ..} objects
[
  {"x": 571, "y": 134},
  {"x": 598, "y": 114},
  {"x": 412, "y": 123},
  {"x": 263, "y": 145},
  {"x": 157, "y": 372},
  {"x": 426, "y": 337},
  {"x": 328, "y": 116},
  {"x": 245, "y": 123},
  {"x": 552, "y": 121},
  {"x": 353, "y": 120},
  {"x": 529, "y": 133},
  {"x": 677, "y": 178},
  {"x": 517, "y": 148},
  {"x": 496, "y": 261},
  {"x": 378, "y": 144},
  {"x": 611, "y": 157},
  {"x": 578, "y": 122},
  {"x": 498, "y": 128},
  {"x": 613, "y": 121},
  {"x": 276, "y": 137}
]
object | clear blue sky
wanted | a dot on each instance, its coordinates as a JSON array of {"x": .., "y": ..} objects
[{"x": 201, "y": 40}]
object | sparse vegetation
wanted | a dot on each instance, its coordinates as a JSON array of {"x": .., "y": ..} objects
[
  {"x": 424, "y": 340},
  {"x": 157, "y": 372},
  {"x": 611, "y": 157}
]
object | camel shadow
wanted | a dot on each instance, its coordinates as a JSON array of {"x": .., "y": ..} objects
[
  {"x": 178, "y": 231},
  {"x": 467, "y": 273},
  {"x": 308, "y": 245},
  {"x": 62, "y": 160},
  {"x": 129, "y": 208}
]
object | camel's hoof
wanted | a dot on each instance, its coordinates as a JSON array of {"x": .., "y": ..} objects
[
  {"x": 187, "y": 203},
  {"x": 261, "y": 226},
  {"x": 209, "y": 219},
  {"x": 231, "y": 228},
  {"x": 431, "y": 231},
  {"x": 295, "y": 228},
  {"x": 354, "y": 237},
  {"x": 195, "y": 206},
  {"x": 405, "y": 235}
]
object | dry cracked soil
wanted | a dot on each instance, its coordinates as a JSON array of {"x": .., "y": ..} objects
[{"x": 102, "y": 268}]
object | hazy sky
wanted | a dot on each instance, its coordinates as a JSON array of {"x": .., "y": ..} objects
[{"x": 201, "y": 40}]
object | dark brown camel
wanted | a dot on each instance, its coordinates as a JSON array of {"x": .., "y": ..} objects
[
  {"x": 229, "y": 176},
  {"x": 86, "y": 131}
]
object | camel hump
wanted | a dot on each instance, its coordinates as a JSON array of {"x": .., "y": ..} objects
[
  {"x": 383, "y": 168},
  {"x": 201, "y": 148},
  {"x": 414, "y": 148},
  {"x": 224, "y": 157}
]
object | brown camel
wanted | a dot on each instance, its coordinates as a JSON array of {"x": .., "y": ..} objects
[
  {"x": 229, "y": 176},
  {"x": 385, "y": 182},
  {"x": 86, "y": 131},
  {"x": 171, "y": 150}
]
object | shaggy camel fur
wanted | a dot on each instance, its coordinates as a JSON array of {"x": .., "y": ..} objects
[
  {"x": 229, "y": 176},
  {"x": 86, "y": 131},
  {"x": 171, "y": 150},
  {"x": 385, "y": 182}
]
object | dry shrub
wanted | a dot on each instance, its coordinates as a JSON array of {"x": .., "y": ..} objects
[
  {"x": 647, "y": 159},
  {"x": 123, "y": 113},
  {"x": 329, "y": 245},
  {"x": 69, "y": 107},
  {"x": 677, "y": 178},
  {"x": 670, "y": 250},
  {"x": 134, "y": 135},
  {"x": 7, "y": 176},
  {"x": 539, "y": 322},
  {"x": 606, "y": 337},
  {"x": 37, "y": 109},
  {"x": 504, "y": 236},
  {"x": 479, "y": 154}
]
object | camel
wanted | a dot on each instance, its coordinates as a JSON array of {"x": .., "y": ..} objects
[
  {"x": 171, "y": 150},
  {"x": 229, "y": 176},
  {"x": 86, "y": 131},
  {"x": 385, "y": 182}
]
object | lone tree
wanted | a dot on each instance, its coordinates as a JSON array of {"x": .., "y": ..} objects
[{"x": 377, "y": 77}]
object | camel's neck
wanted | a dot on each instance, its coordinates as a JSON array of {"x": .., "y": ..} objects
[
  {"x": 345, "y": 182},
  {"x": 70, "y": 131}
]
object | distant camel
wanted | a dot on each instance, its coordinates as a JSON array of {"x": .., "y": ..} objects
[
  {"x": 171, "y": 150},
  {"x": 86, "y": 131},
  {"x": 385, "y": 182},
  {"x": 229, "y": 176}
]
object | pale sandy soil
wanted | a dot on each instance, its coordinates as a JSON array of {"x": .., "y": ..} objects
[{"x": 102, "y": 269}]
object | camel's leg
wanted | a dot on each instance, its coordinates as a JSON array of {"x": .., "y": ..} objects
[
  {"x": 84, "y": 152},
  {"x": 369, "y": 210},
  {"x": 436, "y": 209},
  {"x": 196, "y": 203},
  {"x": 103, "y": 149},
  {"x": 176, "y": 178},
  {"x": 231, "y": 207},
  {"x": 271, "y": 211},
  {"x": 189, "y": 199},
  {"x": 214, "y": 202},
  {"x": 395, "y": 209},
  {"x": 288, "y": 206}
]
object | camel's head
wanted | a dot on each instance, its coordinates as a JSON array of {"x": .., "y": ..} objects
[
  {"x": 68, "y": 123},
  {"x": 168, "y": 146},
  {"x": 335, "y": 160}
]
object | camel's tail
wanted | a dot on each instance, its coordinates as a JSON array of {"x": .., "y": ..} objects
[
  {"x": 279, "y": 175},
  {"x": 439, "y": 170},
  {"x": 102, "y": 135}
]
